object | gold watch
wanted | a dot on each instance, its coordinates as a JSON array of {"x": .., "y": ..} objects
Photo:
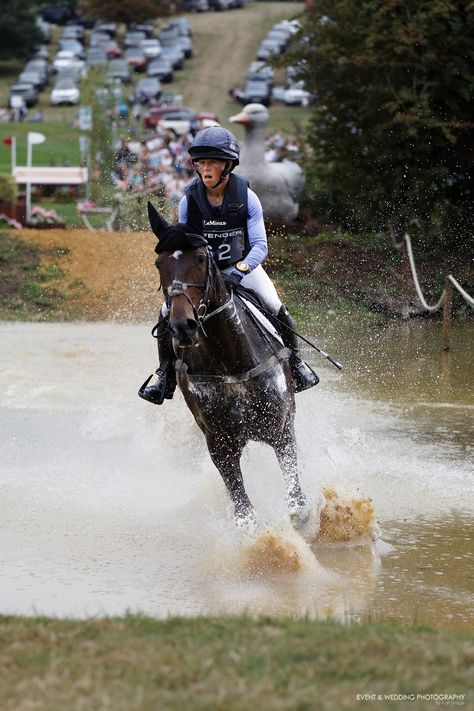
[{"x": 242, "y": 267}]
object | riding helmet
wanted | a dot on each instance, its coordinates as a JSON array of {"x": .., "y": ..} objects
[{"x": 215, "y": 142}]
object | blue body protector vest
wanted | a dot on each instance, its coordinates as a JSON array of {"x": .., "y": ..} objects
[{"x": 224, "y": 227}]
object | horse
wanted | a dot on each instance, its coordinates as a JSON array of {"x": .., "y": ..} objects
[{"x": 235, "y": 380}]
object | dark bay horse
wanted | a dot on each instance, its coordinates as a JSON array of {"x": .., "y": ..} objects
[{"x": 236, "y": 381}]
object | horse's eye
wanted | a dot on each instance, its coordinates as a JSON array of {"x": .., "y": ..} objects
[{"x": 201, "y": 259}]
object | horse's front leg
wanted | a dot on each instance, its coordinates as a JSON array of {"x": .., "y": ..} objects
[
  {"x": 285, "y": 449},
  {"x": 225, "y": 453}
]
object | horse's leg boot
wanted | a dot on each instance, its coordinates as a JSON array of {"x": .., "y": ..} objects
[
  {"x": 165, "y": 383},
  {"x": 304, "y": 377}
]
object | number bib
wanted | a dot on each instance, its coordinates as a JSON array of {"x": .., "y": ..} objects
[
  {"x": 226, "y": 232},
  {"x": 227, "y": 244}
]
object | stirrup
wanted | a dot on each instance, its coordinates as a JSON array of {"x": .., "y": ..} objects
[
  {"x": 304, "y": 377},
  {"x": 164, "y": 387}
]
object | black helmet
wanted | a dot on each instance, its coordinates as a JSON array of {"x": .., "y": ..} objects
[{"x": 215, "y": 142}]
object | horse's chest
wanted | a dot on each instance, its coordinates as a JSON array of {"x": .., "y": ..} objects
[{"x": 251, "y": 406}]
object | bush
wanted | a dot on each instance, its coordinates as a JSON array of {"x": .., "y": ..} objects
[{"x": 7, "y": 189}]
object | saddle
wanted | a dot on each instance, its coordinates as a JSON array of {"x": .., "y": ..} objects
[{"x": 264, "y": 320}]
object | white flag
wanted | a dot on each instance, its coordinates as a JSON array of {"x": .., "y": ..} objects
[{"x": 35, "y": 138}]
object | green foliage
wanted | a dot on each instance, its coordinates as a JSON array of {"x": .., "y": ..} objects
[
  {"x": 125, "y": 11},
  {"x": 19, "y": 31},
  {"x": 7, "y": 189},
  {"x": 392, "y": 127}
]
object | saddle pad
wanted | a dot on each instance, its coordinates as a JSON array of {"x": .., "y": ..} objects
[{"x": 264, "y": 322}]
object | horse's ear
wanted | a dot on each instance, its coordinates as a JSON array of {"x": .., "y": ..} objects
[{"x": 158, "y": 223}]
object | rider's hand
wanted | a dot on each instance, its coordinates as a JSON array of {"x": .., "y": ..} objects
[{"x": 232, "y": 280}]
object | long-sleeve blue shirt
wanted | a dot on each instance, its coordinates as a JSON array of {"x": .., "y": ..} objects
[{"x": 255, "y": 228}]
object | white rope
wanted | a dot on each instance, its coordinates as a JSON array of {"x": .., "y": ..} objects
[
  {"x": 463, "y": 293},
  {"x": 425, "y": 305}
]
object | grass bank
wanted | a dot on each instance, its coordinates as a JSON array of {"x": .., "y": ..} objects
[
  {"x": 227, "y": 664},
  {"x": 72, "y": 274}
]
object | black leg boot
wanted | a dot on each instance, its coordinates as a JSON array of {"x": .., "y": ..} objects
[
  {"x": 165, "y": 383},
  {"x": 304, "y": 377}
]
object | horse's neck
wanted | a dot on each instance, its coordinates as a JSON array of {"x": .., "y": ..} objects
[{"x": 232, "y": 344}]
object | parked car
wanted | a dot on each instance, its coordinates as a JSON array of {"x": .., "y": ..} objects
[
  {"x": 98, "y": 38},
  {"x": 31, "y": 77},
  {"x": 146, "y": 27},
  {"x": 151, "y": 48},
  {"x": 73, "y": 32},
  {"x": 174, "y": 55},
  {"x": 133, "y": 39},
  {"x": 65, "y": 92},
  {"x": 160, "y": 68},
  {"x": 45, "y": 28},
  {"x": 108, "y": 28},
  {"x": 135, "y": 57},
  {"x": 72, "y": 45},
  {"x": 27, "y": 92},
  {"x": 119, "y": 69},
  {"x": 147, "y": 88},
  {"x": 260, "y": 71},
  {"x": 194, "y": 5},
  {"x": 255, "y": 92},
  {"x": 96, "y": 56},
  {"x": 65, "y": 58},
  {"x": 296, "y": 96},
  {"x": 186, "y": 44},
  {"x": 168, "y": 35},
  {"x": 183, "y": 25},
  {"x": 71, "y": 73},
  {"x": 177, "y": 117},
  {"x": 112, "y": 49}
]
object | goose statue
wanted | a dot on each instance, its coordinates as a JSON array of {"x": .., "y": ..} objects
[{"x": 278, "y": 185}]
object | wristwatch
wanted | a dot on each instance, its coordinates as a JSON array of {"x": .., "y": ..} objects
[{"x": 242, "y": 267}]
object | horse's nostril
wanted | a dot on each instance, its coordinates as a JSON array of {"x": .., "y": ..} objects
[{"x": 192, "y": 325}]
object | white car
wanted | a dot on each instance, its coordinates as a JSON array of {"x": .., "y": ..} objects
[
  {"x": 65, "y": 59},
  {"x": 151, "y": 48},
  {"x": 65, "y": 92},
  {"x": 297, "y": 97}
]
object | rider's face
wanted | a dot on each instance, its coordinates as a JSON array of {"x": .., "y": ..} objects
[{"x": 210, "y": 169}]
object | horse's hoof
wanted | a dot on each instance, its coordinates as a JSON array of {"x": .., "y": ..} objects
[
  {"x": 245, "y": 520},
  {"x": 299, "y": 517}
]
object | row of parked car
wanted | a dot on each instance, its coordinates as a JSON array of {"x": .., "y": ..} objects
[
  {"x": 142, "y": 51},
  {"x": 260, "y": 87}
]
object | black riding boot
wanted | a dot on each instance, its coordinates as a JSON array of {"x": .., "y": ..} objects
[
  {"x": 304, "y": 377},
  {"x": 165, "y": 383}
]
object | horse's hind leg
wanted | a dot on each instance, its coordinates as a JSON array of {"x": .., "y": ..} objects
[
  {"x": 225, "y": 453},
  {"x": 285, "y": 449}
]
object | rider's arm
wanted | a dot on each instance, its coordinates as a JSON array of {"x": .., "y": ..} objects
[
  {"x": 183, "y": 210},
  {"x": 256, "y": 232}
]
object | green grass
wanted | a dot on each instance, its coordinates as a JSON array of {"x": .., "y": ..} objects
[
  {"x": 61, "y": 144},
  {"x": 225, "y": 664},
  {"x": 32, "y": 281}
]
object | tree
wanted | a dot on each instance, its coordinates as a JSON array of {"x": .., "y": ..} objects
[
  {"x": 18, "y": 29},
  {"x": 392, "y": 128},
  {"x": 124, "y": 10}
]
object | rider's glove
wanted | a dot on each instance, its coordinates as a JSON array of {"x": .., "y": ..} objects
[{"x": 232, "y": 280}]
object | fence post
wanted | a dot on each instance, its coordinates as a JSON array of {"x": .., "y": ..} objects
[{"x": 447, "y": 313}]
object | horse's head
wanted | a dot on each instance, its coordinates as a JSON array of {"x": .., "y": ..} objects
[{"x": 188, "y": 276}]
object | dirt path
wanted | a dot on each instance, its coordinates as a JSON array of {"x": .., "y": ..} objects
[
  {"x": 225, "y": 43},
  {"x": 108, "y": 275}
]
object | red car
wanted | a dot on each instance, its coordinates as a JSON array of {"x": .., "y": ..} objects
[{"x": 156, "y": 113}]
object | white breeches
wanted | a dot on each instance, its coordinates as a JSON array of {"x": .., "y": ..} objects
[{"x": 259, "y": 281}]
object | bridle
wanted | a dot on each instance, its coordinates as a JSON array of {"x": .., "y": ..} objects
[{"x": 179, "y": 288}]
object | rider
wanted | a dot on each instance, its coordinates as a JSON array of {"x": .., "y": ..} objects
[{"x": 221, "y": 206}]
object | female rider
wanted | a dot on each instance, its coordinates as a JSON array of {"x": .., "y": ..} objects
[{"x": 221, "y": 206}]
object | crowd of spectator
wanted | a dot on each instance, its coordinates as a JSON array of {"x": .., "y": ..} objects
[{"x": 160, "y": 164}]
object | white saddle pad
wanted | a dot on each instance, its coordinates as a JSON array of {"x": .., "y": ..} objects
[{"x": 262, "y": 319}]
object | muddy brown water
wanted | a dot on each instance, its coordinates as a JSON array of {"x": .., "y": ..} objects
[{"x": 112, "y": 505}]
